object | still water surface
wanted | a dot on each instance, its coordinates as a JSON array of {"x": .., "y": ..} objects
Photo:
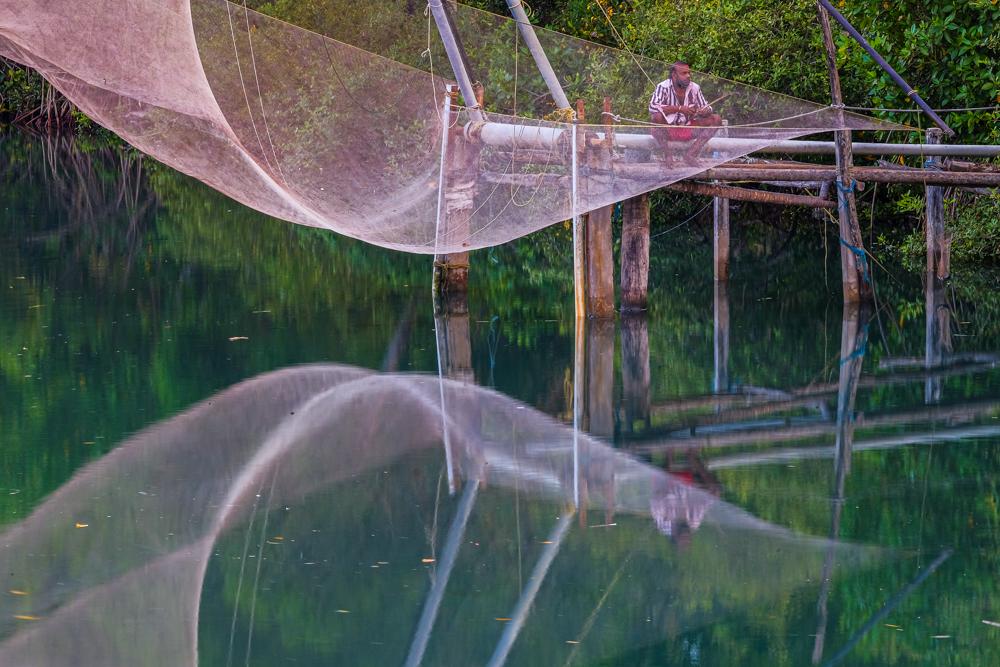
[{"x": 228, "y": 440}]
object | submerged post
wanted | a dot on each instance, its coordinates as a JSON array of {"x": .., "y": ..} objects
[
  {"x": 938, "y": 242},
  {"x": 853, "y": 258}
]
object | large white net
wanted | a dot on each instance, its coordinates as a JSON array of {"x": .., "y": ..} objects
[{"x": 341, "y": 123}]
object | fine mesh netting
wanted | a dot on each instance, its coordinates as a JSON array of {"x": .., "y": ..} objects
[
  {"x": 341, "y": 122},
  {"x": 110, "y": 568}
]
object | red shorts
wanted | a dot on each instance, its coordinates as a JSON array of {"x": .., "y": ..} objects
[{"x": 680, "y": 133}]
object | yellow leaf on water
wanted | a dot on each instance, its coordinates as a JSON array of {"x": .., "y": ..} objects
[
  {"x": 343, "y": 611},
  {"x": 502, "y": 618},
  {"x": 234, "y": 338},
  {"x": 426, "y": 560},
  {"x": 14, "y": 591},
  {"x": 81, "y": 525},
  {"x": 27, "y": 617}
]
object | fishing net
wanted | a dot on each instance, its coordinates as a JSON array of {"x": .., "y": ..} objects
[
  {"x": 110, "y": 569},
  {"x": 341, "y": 122}
]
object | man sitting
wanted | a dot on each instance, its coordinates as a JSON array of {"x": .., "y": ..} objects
[{"x": 679, "y": 103}]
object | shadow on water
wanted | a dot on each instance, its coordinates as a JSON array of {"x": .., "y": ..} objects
[{"x": 736, "y": 443}]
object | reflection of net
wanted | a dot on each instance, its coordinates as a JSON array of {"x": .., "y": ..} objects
[
  {"x": 148, "y": 515},
  {"x": 322, "y": 133}
]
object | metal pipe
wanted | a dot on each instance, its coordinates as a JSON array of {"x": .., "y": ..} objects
[
  {"x": 910, "y": 92},
  {"x": 538, "y": 53},
  {"x": 455, "y": 55},
  {"x": 531, "y": 136}
]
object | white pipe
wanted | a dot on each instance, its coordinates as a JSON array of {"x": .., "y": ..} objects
[{"x": 531, "y": 136}]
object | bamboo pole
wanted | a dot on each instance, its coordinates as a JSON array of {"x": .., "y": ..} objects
[
  {"x": 853, "y": 260},
  {"x": 538, "y": 53},
  {"x": 743, "y": 194},
  {"x": 456, "y": 55},
  {"x": 880, "y": 61}
]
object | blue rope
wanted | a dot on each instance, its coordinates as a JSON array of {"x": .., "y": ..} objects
[
  {"x": 861, "y": 349},
  {"x": 862, "y": 256}
]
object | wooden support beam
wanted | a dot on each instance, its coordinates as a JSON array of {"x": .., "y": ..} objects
[
  {"x": 743, "y": 194},
  {"x": 853, "y": 260},
  {"x": 600, "y": 257},
  {"x": 938, "y": 242},
  {"x": 635, "y": 253},
  {"x": 860, "y": 174},
  {"x": 451, "y": 270}
]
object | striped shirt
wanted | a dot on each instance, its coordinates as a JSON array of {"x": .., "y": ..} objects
[{"x": 666, "y": 95}]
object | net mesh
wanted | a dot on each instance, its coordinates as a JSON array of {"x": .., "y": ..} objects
[
  {"x": 149, "y": 516},
  {"x": 341, "y": 121}
]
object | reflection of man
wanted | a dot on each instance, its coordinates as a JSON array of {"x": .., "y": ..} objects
[
  {"x": 680, "y": 501},
  {"x": 679, "y": 103}
]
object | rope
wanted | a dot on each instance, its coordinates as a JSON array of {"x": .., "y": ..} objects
[
  {"x": 675, "y": 227},
  {"x": 951, "y": 110},
  {"x": 621, "y": 41}
]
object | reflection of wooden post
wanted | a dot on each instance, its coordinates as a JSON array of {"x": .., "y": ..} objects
[
  {"x": 454, "y": 343},
  {"x": 451, "y": 270},
  {"x": 600, "y": 259},
  {"x": 937, "y": 334},
  {"x": 938, "y": 242},
  {"x": 635, "y": 369},
  {"x": 856, "y": 288},
  {"x": 599, "y": 390},
  {"x": 720, "y": 383},
  {"x": 853, "y": 339},
  {"x": 635, "y": 253}
]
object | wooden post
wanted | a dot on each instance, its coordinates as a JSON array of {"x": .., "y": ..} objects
[
  {"x": 600, "y": 258},
  {"x": 635, "y": 253},
  {"x": 938, "y": 242},
  {"x": 451, "y": 270},
  {"x": 853, "y": 260},
  {"x": 579, "y": 221},
  {"x": 720, "y": 208}
]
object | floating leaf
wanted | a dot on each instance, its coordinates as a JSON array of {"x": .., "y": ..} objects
[{"x": 81, "y": 525}]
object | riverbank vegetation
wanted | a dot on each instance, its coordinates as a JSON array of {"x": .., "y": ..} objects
[{"x": 949, "y": 51}]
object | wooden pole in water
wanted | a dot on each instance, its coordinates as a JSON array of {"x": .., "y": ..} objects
[
  {"x": 720, "y": 208},
  {"x": 938, "y": 243},
  {"x": 451, "y": 270},
  {"x": 853, "y": 259},
  {"x": 579, "y": 220},
  {"x": 600, "y": 258},
  {"x": 635, "y": 254}
]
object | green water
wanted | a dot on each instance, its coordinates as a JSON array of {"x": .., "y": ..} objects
[{"x": 130, "y": 294}]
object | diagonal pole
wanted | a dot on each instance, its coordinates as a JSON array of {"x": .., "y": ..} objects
[
  {"x": 523, "y": 608},
  {"x": 456, "y": 55}
]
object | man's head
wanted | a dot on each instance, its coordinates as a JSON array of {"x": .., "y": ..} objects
[{"x": 680, "y": 74}]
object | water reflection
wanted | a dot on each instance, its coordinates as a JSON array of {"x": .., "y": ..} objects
[
  {"x": 771, "y": 431},
  {"x": 113, "y": 565}
]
